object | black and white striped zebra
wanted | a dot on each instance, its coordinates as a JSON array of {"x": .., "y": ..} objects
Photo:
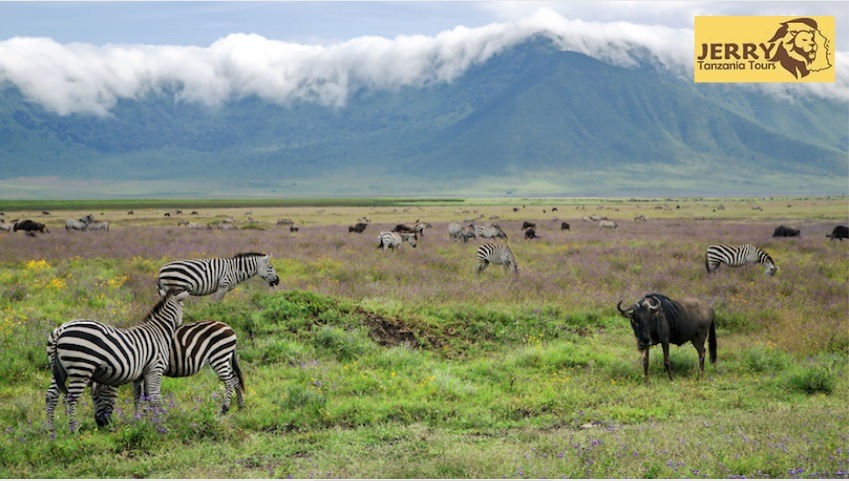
[
  {"x": 738, "y": 255},
  {"x": 202, "y": 277},
  {"x": 393, "y": 240},
  {"x": 489, "y": 231},
  {"x": 496, "y": 254},
  {"x": 85, "y": 351},
  {"x": 191, "y": 348},
  {"x": 81, "y": 224},
  {"x": 103, "y": 225}
]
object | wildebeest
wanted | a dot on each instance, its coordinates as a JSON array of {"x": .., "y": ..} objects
[
  {"x": 784, "y": 231},
  {"x": 840, "y": 232},
  {"x": 527, "y": 224},
  {"x": 531, "y": 233},
  {"x": 564, "y": 226},
  {"x": 657, "y": 319},
  {"x": 30, "y": 227},
  {"x": 359, "y": 227}
]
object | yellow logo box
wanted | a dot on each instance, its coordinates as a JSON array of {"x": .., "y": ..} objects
[{"x": 764, "y": 49}]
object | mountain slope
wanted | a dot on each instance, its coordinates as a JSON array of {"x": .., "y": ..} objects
[{"x": 532, "y": 120}]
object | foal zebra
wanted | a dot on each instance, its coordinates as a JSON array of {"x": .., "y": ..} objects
[
  {"x": 489, "y": 231},
  {"x": 202, "y": 277},
  {"x": 192, "y": 347},
  {"x": 85, "y": 351},
  {"x": 393, "y": 240},
  {"x": 738, "y": 255},
  {"x": 498, "y": 255}
]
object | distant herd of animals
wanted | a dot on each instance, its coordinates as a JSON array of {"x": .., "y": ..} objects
[{"x": 83, "y": 353}]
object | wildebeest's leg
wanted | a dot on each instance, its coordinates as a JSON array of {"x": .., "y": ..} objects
[
  {"x": 699, "y": 343},
  {"x": 666, "y": 363},
  {"x": 646, "y": 364}
]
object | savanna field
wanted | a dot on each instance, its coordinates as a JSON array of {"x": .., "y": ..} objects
[{"x": 409, "y": 364}]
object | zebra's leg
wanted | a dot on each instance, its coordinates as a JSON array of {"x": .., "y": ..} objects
[
  {"x": 75, "y": 390},
  {"x": 138, "y": 391},
  {"x": 51, "y": 399},
  {"x": 104, "y": 403},
  {"x": 153, "y": 386},
  {"x": 483, "y": 264},
  {"x": 223, "y": 288},
  {"x": 226, "y": 375}
]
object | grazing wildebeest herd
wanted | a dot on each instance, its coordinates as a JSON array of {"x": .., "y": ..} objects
[{"x": 87, "y": 353}]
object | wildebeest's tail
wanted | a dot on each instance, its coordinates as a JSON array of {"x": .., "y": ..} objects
[
  {"x": 712, "y": 342},
  {"x": 59, "y": 373},
  {"x": 238, "y": 372}
]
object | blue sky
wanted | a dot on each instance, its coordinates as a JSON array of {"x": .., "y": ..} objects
[{"x": 202, "y": 23}]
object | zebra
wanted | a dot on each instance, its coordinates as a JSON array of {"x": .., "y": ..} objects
[
  {"x": 489, "y": 231},
  {"x": 393, "y": 240},
  {"x": 83, "y": 351},
  {"x": 496, "y": 254},
  {"x": 191, "y": 348},
  {"x": 81, "y": 224},
  {"x": 454, "y": 230},
  {"x": 98, "y": 226},
  {"x": 738, "y": 255},
  {"x": 202, "y": 277}
]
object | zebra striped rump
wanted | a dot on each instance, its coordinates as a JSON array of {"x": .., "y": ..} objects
[
  {"x": 738, "y": 255},
  {"x": 496, "y": 254}
]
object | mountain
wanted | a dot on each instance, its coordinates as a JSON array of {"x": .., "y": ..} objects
[{"x": 532, "y": 120}]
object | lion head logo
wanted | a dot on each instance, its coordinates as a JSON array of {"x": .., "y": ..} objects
[{"x": 801, "y": 48}]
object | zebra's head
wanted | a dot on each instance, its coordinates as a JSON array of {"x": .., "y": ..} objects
[
  {"x": 411, "y": 238},
  {"x": 265, "y": 270},
  {"x": 769, "y": 265}
]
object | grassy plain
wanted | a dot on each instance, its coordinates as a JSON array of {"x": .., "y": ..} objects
[{"x": 408, "y": 364}]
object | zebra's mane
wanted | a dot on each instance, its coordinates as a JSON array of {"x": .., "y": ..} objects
[
  {"x": 155, "y": 310},
  {"x": 243, "y": 255},
  {"x": 671, "y": 309}
]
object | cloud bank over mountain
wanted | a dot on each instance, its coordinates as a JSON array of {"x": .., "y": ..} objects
[{"x": 88, "y": 79}]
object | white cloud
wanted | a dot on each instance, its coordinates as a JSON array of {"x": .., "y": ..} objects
[{"x": 83, "y": 78}]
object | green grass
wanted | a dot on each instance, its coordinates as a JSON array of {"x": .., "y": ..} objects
[{"x": 408, "y": 365}]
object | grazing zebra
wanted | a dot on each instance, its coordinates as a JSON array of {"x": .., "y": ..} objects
[
  {"x": 489, "y": 231},
  {"x": 738, "y": 255},
  {"x": 192, "y": 347},
  {"x": 393, "y": 240},
  {"x": 496, "y": 254},
  {"x": 454, "y": 230},
  {"x": 81, "y": 224},
  {"x": 202, "y": 277},
  {"x": 84, "y": 351},
  {"x": 98, "y": 226}
]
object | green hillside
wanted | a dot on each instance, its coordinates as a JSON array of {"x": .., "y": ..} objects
[{"x": 532, "y": 120}]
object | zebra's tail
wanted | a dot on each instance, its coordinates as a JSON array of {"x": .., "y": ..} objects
[
  {"x": 712, "y": 342},
  {"x": 238, "y": 372},
  {"x": 59, "y": 373}
]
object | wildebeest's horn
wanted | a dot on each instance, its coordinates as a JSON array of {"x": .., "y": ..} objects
[{"x": 624, "y": 312}]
